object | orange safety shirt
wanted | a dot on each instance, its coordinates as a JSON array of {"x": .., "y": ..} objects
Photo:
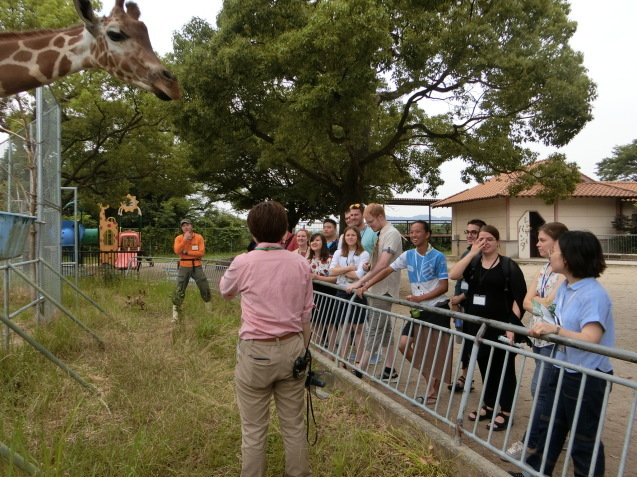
[{"x": 194, "y": 247}]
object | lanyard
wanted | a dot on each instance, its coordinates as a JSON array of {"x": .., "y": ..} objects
[
  {"x": 482, "y": 277},
  {"x": 545, "y": 280}
]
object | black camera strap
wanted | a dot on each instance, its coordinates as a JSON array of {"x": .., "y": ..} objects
[{"x": 310, "y": 405}]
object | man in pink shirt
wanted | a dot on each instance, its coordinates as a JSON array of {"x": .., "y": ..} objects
[{"x": 276, "y": 305}]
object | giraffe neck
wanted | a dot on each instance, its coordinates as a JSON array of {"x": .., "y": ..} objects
[{"x": 37, "y": 58}]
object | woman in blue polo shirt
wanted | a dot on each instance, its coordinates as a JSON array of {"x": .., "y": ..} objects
[{"x": 583, "y": 311}]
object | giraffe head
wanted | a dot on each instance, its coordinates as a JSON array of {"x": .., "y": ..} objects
[{"x": 121, "y": 47}]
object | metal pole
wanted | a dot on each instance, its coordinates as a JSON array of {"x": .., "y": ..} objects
[
  {"x": 47, "y": 354},
  {"x": 59, "y": 305},
  {"x": 18, "y": 460},
  {"x": 67, "y": 281}
]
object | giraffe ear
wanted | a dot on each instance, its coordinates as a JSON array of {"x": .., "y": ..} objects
[
  {"x": 86, "y": 13},
  {"x": 133, "y": 10}
]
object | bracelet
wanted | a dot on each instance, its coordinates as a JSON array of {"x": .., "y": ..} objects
[{"x": 557, "y": 329}]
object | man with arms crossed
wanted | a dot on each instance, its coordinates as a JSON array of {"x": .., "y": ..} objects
[{"x": 378, "y": 325}]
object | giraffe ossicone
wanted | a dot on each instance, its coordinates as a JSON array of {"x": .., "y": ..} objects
[{"x": 117, "y": 43}]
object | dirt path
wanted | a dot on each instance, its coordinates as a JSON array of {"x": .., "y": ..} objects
[{"x": 617, "y": 280}]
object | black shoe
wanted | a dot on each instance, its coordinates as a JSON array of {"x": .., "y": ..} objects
[{"x": 390, "y": 377}]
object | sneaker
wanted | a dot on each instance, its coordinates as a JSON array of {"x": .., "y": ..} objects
[
  {"x": 515, "y": 451},
  {"x": 175, "y": 314},
  {"x": 391, "y": 377}
]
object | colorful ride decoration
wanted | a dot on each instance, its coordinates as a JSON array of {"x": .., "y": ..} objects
[{"x": 113, "y": 239}]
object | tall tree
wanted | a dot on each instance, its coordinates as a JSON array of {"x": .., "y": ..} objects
[
  {"x": 366, "y": 98},
  {"x": 621, "y": 166}
]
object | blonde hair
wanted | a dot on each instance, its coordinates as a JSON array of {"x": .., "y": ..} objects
[{"x": 375, "y": 210}]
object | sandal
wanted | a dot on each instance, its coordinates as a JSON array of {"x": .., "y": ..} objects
[
  {"x": 488, "y": 414},
  {"x": 356, "y": 372},
  {"x": 459, "y": 385},
  {"x": 500, "y": 426},
  {"x": 430, "y": 400}
]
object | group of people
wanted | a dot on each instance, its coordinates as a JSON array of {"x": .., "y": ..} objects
[{"x": 564, "y": 299}]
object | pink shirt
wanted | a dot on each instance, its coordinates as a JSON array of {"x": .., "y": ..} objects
[{"x": 275, "y": 288}]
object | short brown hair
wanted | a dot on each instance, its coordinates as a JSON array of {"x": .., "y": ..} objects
[
  {"x": 553, "y": 229},
  {"x": 490, "y": 229},
  {"x": 268, "y": 222},
  {"x": 359, "y": 244}
]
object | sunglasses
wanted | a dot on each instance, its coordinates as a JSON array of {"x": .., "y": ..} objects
[{"x": 354, "y": 206}]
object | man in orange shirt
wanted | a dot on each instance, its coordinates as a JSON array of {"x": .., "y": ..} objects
[{"x": 191, "y": 248}]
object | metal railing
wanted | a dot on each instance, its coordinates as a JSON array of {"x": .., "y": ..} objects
[
  {"x": 334, "y": 336},
  {"x": 621, "y": 247}
]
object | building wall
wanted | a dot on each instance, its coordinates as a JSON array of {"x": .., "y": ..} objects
[{"x": 594, "y": 214}]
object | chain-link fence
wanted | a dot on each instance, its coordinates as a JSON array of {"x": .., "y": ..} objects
[{"x": 30, "y": 184}]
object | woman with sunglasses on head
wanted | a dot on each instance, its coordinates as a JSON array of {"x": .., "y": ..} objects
[
  {"x": 538, "y": 300},
  {"x": 583, "y": 311},
  {"x": 492, "y": 295}
]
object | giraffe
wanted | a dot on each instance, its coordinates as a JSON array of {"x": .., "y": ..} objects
[{"x": 118, "y": 44}]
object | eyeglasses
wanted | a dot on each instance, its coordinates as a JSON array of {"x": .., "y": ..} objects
[
  {"x": 354, "y": 206},
  {"x": 471, "y": 232}
]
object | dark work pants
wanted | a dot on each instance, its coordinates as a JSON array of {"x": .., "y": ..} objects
[
  {"x": 493, "y": 379},
  {"x": 183, "y": 277},
  {"x": 587, "y": 423}
]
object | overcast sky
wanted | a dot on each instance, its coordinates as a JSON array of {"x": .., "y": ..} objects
[{"x": 606, "y": 34}]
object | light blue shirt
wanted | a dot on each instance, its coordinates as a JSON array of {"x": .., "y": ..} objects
[
  {"x": 576, "y": 305},
  {"x": 368, "y": 239}
]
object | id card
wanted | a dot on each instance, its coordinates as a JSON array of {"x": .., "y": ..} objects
[
  {"x": 195, "y": 247},
  {"x": 480, "y": 300},
  {"x": 464, "y": 286}
]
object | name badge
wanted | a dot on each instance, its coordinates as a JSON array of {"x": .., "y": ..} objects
[
  {"x": 464, "y": 286},
  {"x": 195, "y": 247},
  {"x": 480, "y": 300}
]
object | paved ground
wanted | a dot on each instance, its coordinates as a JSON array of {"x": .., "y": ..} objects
[{"x": 618, "y": 282}]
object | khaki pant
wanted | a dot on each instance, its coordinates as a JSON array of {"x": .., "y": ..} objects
[{"x": 263, "y": 370}]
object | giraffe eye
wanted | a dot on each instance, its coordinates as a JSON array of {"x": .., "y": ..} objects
[{"x": 116, "y": 36}]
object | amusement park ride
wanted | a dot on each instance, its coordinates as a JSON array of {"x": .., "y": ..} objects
[{"x": 123, "y": 245}]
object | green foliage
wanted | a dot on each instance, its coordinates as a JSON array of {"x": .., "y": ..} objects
[
  {"x": 555, "y": 176},
  {"x": 354, "y": 100},
  {"x": 623, "y": 223},
  {"x": 18, "y": 15},
  {"x": 621, "y": 166}
]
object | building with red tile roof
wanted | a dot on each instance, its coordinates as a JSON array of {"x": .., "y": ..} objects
[{"x": 592, "y": 206}]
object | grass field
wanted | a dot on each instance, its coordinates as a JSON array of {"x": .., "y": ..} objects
[{"x": 167, "y": 404}]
